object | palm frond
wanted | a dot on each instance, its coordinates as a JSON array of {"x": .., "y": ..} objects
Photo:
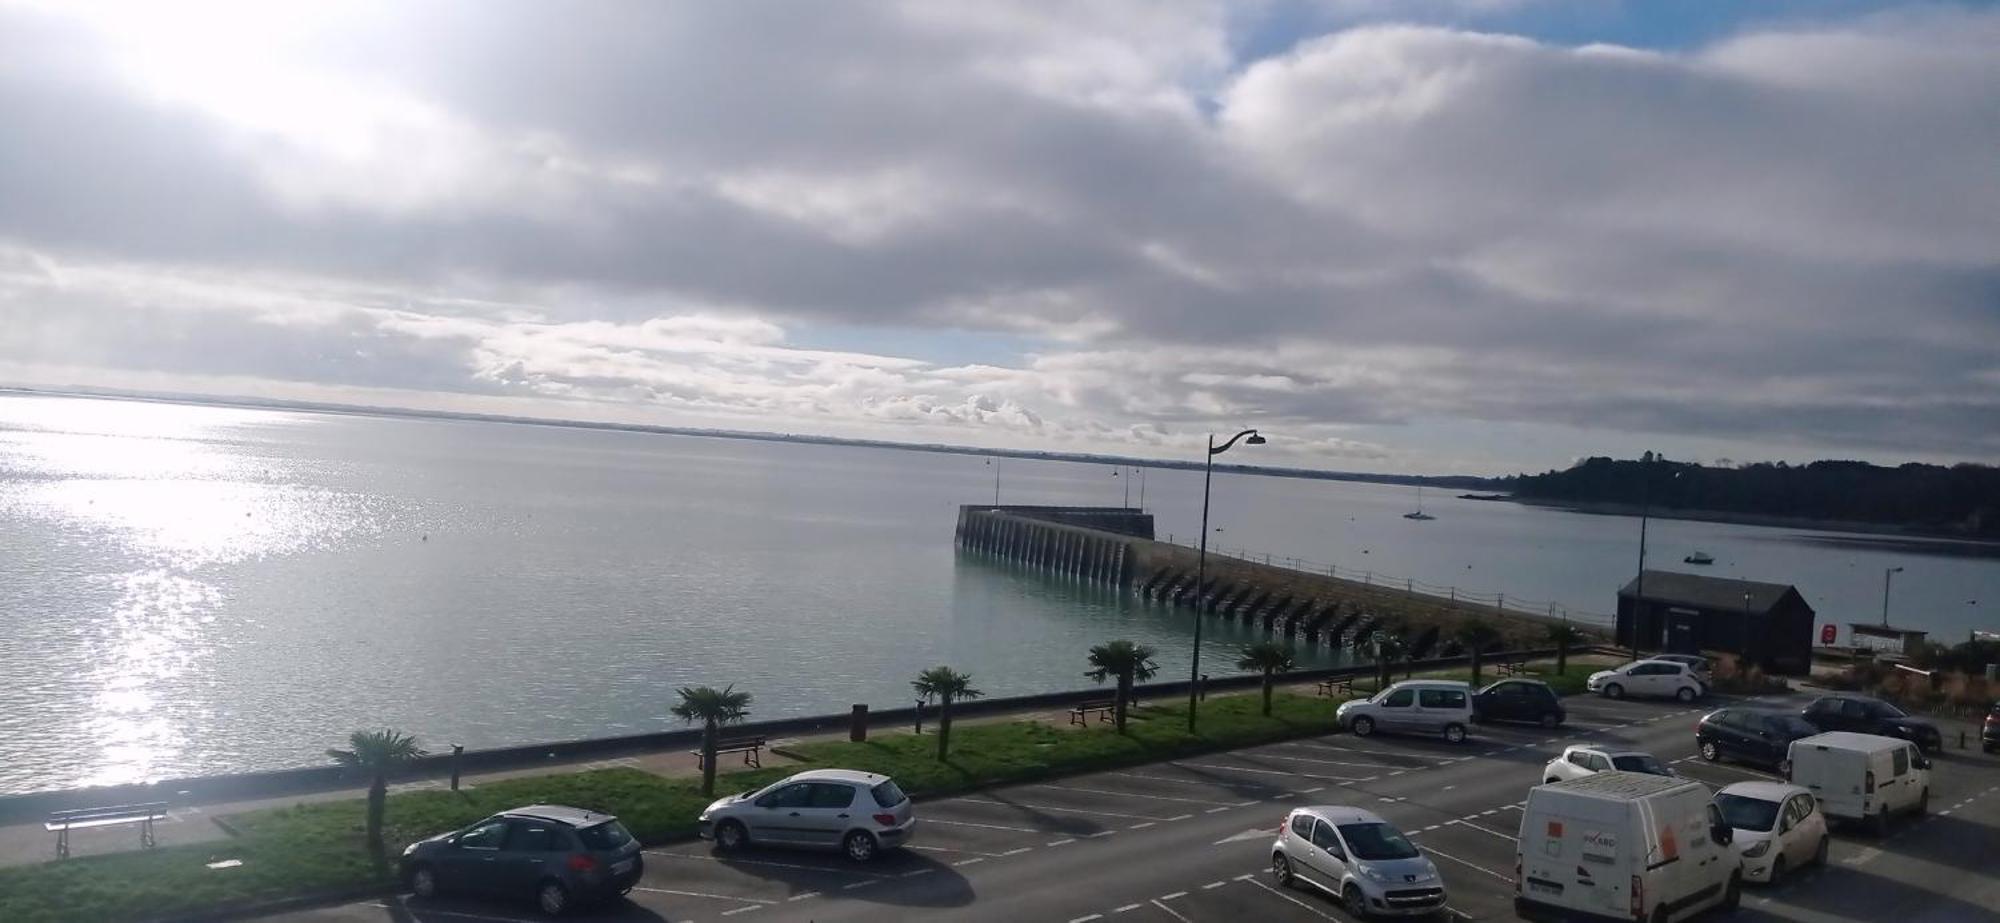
[
  {"x": 707, "y": 703},
  {"x": 381, "y": 749},
  {"x": 945, "y": 683},
  {"x": 1265, "y": 656}
]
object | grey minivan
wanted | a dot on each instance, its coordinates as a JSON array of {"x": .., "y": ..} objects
[
  {"x": 858, "y": 813},
  {"x": 559, "y": 856},
  {"x": 1422, "y": 706}
]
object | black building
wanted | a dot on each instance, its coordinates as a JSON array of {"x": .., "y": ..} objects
[{"x": 1766, "y": 624}]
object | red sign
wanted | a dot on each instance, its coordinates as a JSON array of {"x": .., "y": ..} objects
[{"x": 1826, "y": 635}]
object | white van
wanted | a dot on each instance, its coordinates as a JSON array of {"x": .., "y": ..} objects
[
  {"x": 1624, "y": 846},
  {"x": 1862, "y": 777}
]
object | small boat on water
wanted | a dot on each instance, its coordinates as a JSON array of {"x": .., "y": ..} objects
[
  {"x": 1699, "y": 557},
  {"x": 1419, "y": 514}
]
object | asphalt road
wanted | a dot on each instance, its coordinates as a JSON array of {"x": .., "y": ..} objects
[{"x": 1187, "y": 841}]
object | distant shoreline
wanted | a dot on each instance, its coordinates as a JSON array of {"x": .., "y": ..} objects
[
  {"x": 1890, "y": 530},
  {"x": 201, "y": 400}
]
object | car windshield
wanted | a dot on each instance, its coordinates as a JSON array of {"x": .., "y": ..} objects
[
  {"x": 1640, "y": 762},
  {"x": 888, "y": 795},
  {"x": 1373, "y": 842},
  {"x": 1885, "y": 710},
  {"x": 605, "y": 836},
  {"x": 1793, "y": 726},
  {"x": 1746, "y": 813}
]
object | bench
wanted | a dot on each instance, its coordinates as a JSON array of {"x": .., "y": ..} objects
[
  {"x": 62, "y": 822},
  {"x": 1104, "y": 708},
  {"x": 752, "y": 749},
  {"x": 1513, "y": 666},
  {"x": 1328, "y": 688}
]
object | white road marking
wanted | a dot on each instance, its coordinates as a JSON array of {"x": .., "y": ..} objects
[
  {"x": 916, "y": 872},
  {"x": 1469, "y": 865},
  {"x": 1059, "y": 810},
  {"x": 744, "y": 909},
  {"x": 1170, "y": 911},
  {"x": 1140, "y": 826},
  {"x": 1016, "y": 851},
  {"x": 1087, "y": 919},
  {"x": 1099, "y": 791},
  {"x": 967, "y": 823},
  {"x": 1168, "y": 897},
  {"x": 802, "y": 896},
  {"x": 1277, "y": 772},
  {"x": 972, "y": 861},
  {"x": 1467, "y": 823},
  {"x": 769, "y": 864},
  {"x": 1213, "y": 885},
  {"x": 719, "y": 897},
  {"x": 1302, "y": 904},
  {"x": 925, "y": 847},
  {"x": 1062, "y": 842},
  {"x": 858, "y": 884},
  {"x": 1126, "y": 908}
]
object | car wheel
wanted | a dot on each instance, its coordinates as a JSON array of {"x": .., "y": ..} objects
[
  {"x": 1686, "y": 694},
  {"x": 859, "y": 846},
  {"x": 1281, "y": 870},
  {"x": 1879, "y": 824},
  {"x": 1709, "y": 752},
  {"x": 1923, "y": 802},
  {"x": 1777, "y": 869},
  {"x": 1454, "y": 733},
  {"x": 1784, "y": 767},
  {"x": 731, "y": 836},
  {"x": 1550, "y": 780},
  {"x": 424, "y": 882},
  {"x": 1364, "y": 726},
  {"x": 1356, "y": 904},
  {"x": 1660, "y": 915},
  {"x": 1550, "y": 721},
  {"x": 1732, "y": 896},
  {"x": 1614, "y": 691},
  {"x": 553, "y": 898},
  {"x": 1819, "y": 854}
]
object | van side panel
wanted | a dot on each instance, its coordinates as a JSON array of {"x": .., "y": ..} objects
[{"x": 1579, "y": 853}]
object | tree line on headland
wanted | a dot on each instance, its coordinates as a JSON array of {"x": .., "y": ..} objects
[{"x": 1962, "y": 500}]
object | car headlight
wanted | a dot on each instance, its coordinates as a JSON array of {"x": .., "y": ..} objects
[
  {"x": 1375, "y": 874},
  {"x": 1899, "y": 730},
  {"x": 1762, "y": 847},
  {"x": 410, "y": 849}
]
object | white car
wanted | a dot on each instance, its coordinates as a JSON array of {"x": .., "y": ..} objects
[
  {"x": 1359, "y": 858},
  {"x": 1582, "y": 760},
  {"x": 1778, "y": 827},
  {"x": 1663, "y": 678}
]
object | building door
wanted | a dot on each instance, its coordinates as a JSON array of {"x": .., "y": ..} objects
[{"x": 1681, "y": 633}]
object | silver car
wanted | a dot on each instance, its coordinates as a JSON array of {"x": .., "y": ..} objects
[
  {"x": 858, "y": 813},
  {"x": 1358, "y": 857},
  {"x": 1421, "y": 706}
]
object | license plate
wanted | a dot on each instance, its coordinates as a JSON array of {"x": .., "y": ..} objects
[
  {"x": 620, "y": 868},
  {"x": 1537, "y": 887}
]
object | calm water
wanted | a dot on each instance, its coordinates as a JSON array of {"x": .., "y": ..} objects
[{"x": 197, "y": 589}]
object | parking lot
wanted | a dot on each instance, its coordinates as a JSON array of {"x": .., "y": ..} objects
[{"x": 1188, "y": 840}]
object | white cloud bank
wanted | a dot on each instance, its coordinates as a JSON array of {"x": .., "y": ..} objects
[{"x": 1788, "y": 238}]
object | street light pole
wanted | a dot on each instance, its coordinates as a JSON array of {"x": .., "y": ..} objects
[
  {"x": 995, "y": 463},
  {"x": 1201, "y": 562},
  {"x": 1886, "y": 574}
]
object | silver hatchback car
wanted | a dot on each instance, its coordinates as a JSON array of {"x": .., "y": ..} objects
[
  {"x": 858, "y": 813},
  {"x": 1420, "y": 706},
  {"x": 1356, "y": 856}
]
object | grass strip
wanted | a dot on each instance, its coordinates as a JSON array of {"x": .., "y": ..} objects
[{"x": 318, "y": 846}]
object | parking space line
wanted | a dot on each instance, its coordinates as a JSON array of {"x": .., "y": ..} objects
[
  {"x": 1087, "y": 918},
  {"x": 1140, "y": 826},
  {"x": 744, "y": 909},
  {"x": 1276, "y": 772},
  {"x": 915, "y": 873},
  {"x": 1469, "y": 865},
  {"x": 966, "y": 823},
  {"x": 769, "y": 864},
  {"x": 1065, "y": 841},
  {"x": 403, "y": 904},
  {"x": 1302, "y": 904},
  {"x": 972, "y": 861},
  {"x": 803, "y": 895},
  {"x": 1208, "y": 782},
  {"x": 1176, "y": 894},
  {"x": 926, "y": 847},
  {"x": 1308, "y": 759},
  {"x": 1170, "y": 911},
  {"x": 1059, "y": 810},
  {"x": 1127, "y": 907},
  {"x": 858, "y": 884},
  {"x": 1467, "y": 823},
  {"x": 1115, "y": 794},
  {"x": 719, "y": 897}
]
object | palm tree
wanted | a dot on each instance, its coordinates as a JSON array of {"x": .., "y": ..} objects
[
  {"x": 713, "y": 708},
  {"x": 1385, "y": 652},
  {"x": 1127, "y": 661},
  {"x": 1476, "y": 636},
  {"x": 948, "y": 685},
  {"x": 377, "y": 753},
  {"x": 1269, "y": 658},
  {"x": 1562, "y": 636}
]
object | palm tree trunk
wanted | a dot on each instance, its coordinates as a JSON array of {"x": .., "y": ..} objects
[
  {"x": 944, "y": 726},
  {"x": 708, "y": 744},
  {"x": 1475, "y": 665},
  {"x": 1382, "y": 668},
  {"x": 378, "y": 793},
  {"x": 1124, "y": 696},
  {"x": 1267, "y": 693},
  {"x": 1562, "y": 655}
]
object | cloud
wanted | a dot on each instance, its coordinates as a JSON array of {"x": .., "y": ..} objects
[{"x": 1788, "y": 235}]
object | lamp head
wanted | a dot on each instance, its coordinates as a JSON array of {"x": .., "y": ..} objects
[{"x": 1254, "y": 439}]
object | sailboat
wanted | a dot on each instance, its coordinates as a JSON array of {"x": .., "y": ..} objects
[{"x": 1419, "y": 513}]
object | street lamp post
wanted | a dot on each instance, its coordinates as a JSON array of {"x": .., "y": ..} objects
[
  {"x": 1886, "y": 574},
  {"x": 994, "y": 463},
  {"x": 1201, "y": 561},
  {"x": 1645, "y": 512}
]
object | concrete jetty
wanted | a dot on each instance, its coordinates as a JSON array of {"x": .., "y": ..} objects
[{"x": 1116, "y": 546}]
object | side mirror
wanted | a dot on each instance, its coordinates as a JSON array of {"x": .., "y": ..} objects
[{"x": 1722, "y": 833}]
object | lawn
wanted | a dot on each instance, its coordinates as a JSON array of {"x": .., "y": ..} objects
[{"x": 318, "y": 847}]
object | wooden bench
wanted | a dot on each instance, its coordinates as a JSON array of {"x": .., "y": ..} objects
[
  {"x": 1104, "y": 708},
  {"x": 1328, "y": 688},
  {"x": 1513, "y": 667},
  {"x": 62, "y": 822},
  {"x": 752, "y": 749}
]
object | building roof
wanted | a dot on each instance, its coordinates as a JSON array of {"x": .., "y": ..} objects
[
  {"x": 1884, "y": 631},
  {"x": 1665, "y": 586}
]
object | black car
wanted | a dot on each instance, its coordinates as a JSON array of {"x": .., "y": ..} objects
[
  {"x": 1989, "y": 736},
  {"x": 1753, "y": 735},
  {"x": 1864, "y": 715},
  {"x": 558, "y": 856},
  {"x": 1519, "y": 700}
]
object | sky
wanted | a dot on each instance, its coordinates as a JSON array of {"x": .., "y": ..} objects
[{"x": 1481, "y": 236}]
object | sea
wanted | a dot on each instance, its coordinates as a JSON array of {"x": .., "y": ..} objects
[{"x": 189, "y": 589}]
